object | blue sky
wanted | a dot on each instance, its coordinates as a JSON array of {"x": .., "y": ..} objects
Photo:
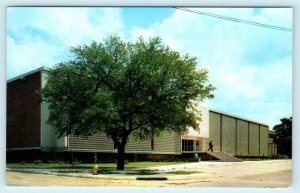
[{"x": 250, "y": 66}]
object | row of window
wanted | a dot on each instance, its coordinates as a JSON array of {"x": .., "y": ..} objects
[{"x": 187, "y": 145}]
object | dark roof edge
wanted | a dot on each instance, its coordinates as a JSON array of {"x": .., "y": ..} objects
[{"x": 28, "y": 73}]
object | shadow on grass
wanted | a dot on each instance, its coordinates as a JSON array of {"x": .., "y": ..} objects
[
  {"x": 183, "y": 172},
  {"x": 128, "y": 171},
  {"x": 112, "y": 171}
]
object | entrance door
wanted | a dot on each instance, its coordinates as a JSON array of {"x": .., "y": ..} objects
[{"x": 198, "y": 145}]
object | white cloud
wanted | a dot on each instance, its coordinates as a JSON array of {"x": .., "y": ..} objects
[
  {"x": 250, "y": 66},
  {"x": 41, "y": 36},
  {"x": 70, "y": 25},
  {"x": 31, "y": 55},
  {"x": 145, "y": 33},
  {"x": 260, "y": 81}
]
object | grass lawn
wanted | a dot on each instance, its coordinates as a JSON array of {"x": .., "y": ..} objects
[{"x": 131, "y": 165}]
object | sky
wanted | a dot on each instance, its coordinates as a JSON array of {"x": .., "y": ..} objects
[{"x": 250, "y": 66}]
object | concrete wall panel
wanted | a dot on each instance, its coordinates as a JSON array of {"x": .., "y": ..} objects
[
  {"x": 264, "y": 133},
  {"x": 228, "y": 134},
  {"x": 254, "y": 139},
  {"x": 242, "y": 138},
  {"x": 214, "y": 131}
]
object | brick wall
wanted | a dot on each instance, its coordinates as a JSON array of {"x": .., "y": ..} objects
[{"x": 23, "y": 112}]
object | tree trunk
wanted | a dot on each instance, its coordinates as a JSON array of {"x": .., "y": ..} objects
[{"x": 121, "y": 157}]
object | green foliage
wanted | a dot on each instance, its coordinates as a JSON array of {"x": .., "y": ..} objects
[
  {"x": 283, "y": 137},
  {"x": 76, "y": 162},
  {"x": 279, "y": 156},
  {"x": 51, "y": 161},
  {"x": 37, "y": 161},
  {"x": 125, "y": 88},
  {"x": 183, "y": 172},
  {"x": 60, "y": 162}
]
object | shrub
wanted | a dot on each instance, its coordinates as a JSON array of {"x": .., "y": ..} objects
[
  {"x": 126, "y": 161},
  {"x": 170, "y": 160},
  {"x": 75, "y": 162},
  {"x": 23, "y": 162},
  {"x": 51, "y": 161},
  {"x": 60, "y": 162},
  {"x": 279, "y": 156},
  {"x": 38, "y": 161}
]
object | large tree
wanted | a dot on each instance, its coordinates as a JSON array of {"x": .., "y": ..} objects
[
  {"x": 125, "y": 88},
  {"x": 283, "y": 137}
]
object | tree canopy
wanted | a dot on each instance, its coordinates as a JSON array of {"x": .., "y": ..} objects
[
  {"x": 283, "y": 137},
  {"x": 122, "y": 88}
]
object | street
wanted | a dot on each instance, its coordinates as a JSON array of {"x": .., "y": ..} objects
[{"x": 265, "y": 174}]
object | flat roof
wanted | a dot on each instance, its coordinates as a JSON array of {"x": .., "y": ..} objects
[{"x": 27, "y": 73}]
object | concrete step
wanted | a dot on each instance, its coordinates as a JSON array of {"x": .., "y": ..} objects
[{"x": 225, "y": 157}]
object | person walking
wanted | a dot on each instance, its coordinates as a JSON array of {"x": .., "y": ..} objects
[{"x": 210, "y": 146}]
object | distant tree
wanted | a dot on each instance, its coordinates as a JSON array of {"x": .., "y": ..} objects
[
  {"x": 283, "y": 137},
  {"x": 125, "y": 88}
]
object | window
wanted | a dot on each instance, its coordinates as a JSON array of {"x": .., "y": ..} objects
[
  {"x": 152, "y": 144},
  {"x": 187, "y": 145}
]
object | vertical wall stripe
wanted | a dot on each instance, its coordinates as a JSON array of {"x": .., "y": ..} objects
[
  {"x": 242, "y": 137},
  {"x": 258, "y": 140},
  {"x": 254, "y": 139},
  {"x": 264, "y": 140},
  {"x": 214, "y": 131},
  {"x": 248, "y": 138},
  {"x": 228, "y": 134},
  {"x": 221, "y": 132},
  {"x": 152, "y": 144},
  {"x": 236, "y": 137}
]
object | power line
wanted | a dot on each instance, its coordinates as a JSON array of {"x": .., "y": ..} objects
[{"x": 235, "y": 20}]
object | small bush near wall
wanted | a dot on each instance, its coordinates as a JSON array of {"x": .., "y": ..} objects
[
  {"x": 38, "y": 161},
  {"x": 279, "y": 156}
]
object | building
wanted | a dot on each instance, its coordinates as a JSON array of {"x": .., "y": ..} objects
[
  {"x": 29, "y": 134},
  {"x": 272, "y": 152}
]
